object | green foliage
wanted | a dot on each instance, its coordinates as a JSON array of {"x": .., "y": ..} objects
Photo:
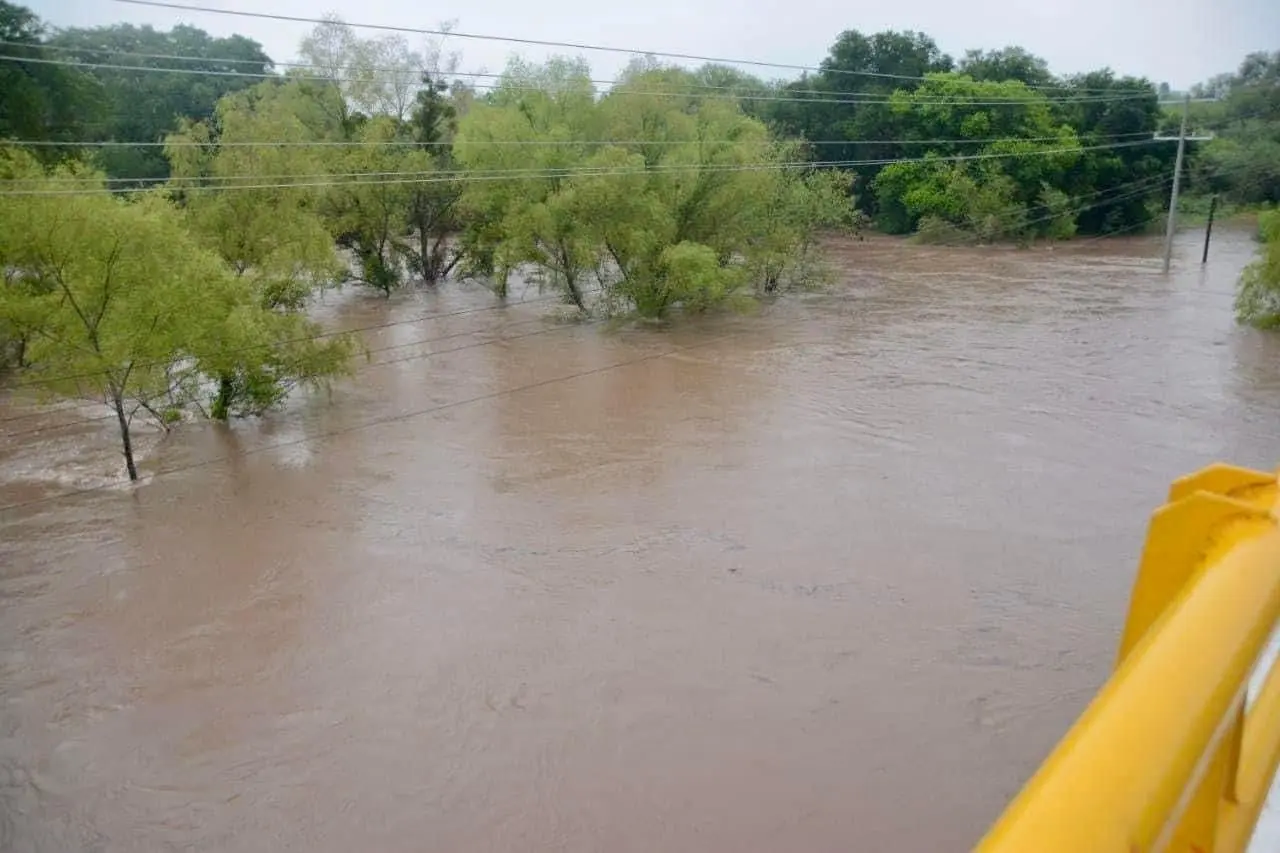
[
  {"x": 1242, "y": 163},
  {"x": 1258, "y": 294},
  {"x": 109, "y": 292},
  {"x": 143, "y": 106},
  {"x": 1073, "y": 112},
  {"x": 118, "y": 300},
  {"x": 692, "y": 210},
  {"x": 1010, "y": 63},
  {"x": 1002, "y": 189},
  {"x": 272, "y": 238},
  {"x": 39, "y": 101},
  {"x": 367, "y": 214},
  {"x": 1113, "y": 114},
  {"x": 433, "y": 210},
  {"x": 270, "y": 234}
]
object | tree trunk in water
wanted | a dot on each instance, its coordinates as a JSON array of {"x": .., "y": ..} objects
[
  {"x": 430, "y": 274},
  {"x": 575, "y": 293},
  {"x": 571, "y": 281},
  {"x": 118, "y": 402},
  {"x": 222, "y": 403}
]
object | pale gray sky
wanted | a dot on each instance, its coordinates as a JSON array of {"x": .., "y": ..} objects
[{"x": 1176, "y": 41}]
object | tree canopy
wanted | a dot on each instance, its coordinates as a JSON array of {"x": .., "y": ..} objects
[
  {"x": 654, "y": 196},
  {"x": 1243, "y": 161},
  {"x": 142, "y": 104},
  {"x": 41, "y": 101}
]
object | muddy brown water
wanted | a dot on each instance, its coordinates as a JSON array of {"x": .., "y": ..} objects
[{"x": 831, "y": 576}]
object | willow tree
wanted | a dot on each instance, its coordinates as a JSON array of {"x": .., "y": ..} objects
[
  {"x": 112, "y": 292},
  {"x": 520, "y": 148},
  {"x": 119, "y": 302},
  {"x": 655, "y": 194},
  {"x": 249, "y": 184}
]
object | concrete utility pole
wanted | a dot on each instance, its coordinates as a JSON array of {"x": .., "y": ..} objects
[{"x": 1172, "y": 222}]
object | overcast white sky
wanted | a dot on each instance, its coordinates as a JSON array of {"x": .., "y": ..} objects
[{"x": 1176, "y": 41}]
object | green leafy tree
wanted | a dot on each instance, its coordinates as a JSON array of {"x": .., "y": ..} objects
[
  {"x": 858, "y": 68},
  {"x": 658, "y": 195},
  {"x": 367, "y": 207},
  {"x": 1243, "y": 161},
  {"x": 988, "y": 192},
  {"x": 1009, "y": 63},
  {"x": 533, "y": 218},
  {"x": 1258, "y": 294},
  {"x": 113, "y": 292},
  {"x": 1124, "y": 112},
  {"x": 145, "y": 105},
  {"x": 39, "y": 101},
  {"x": 433, "y": 207},
  {"x": 118, "y": 301},
  {"x": 240, "y": 201}
]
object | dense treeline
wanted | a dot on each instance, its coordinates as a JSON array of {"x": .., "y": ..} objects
[{"x": 164, "y": 232}]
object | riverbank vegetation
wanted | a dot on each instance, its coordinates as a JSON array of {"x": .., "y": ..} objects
[
  {"x": 1258, "y": 299},
  {"x": 173, "y": 201}
]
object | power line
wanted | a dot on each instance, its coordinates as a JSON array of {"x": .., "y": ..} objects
[
  {"x": 463, "y": 177},
  {"x": 403, "y": 416},
  {"x": 49, "y": 380},
  {"x": 322, "y": 143},
  {"x": 424, "y": 342},
  {"x": 621, "y": 90},
  {"x": 416, "y": 177},
  {"x": 44, "y": 143},
  {"x": 581, "y": 46},
  {"x": 413, "y": 75},
  {"x": 397, "y": 418},
  {"x": 1145, "y": 187},
  {"x": 560, "y": 297},
  {"x": 445, "y": 175}
]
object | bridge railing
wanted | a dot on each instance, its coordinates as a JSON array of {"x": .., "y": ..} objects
[{"x": 1170, "y": 756}]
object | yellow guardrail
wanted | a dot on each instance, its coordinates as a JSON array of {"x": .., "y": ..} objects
[{"x": 1169, "y": 756}]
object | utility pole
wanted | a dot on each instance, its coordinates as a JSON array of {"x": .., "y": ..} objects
[
  {"x": 1172, "y": 223},
  {"x": 1208, "y": 229}
]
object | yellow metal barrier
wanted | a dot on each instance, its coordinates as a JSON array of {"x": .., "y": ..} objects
[{"x": 1167, "y": 757}]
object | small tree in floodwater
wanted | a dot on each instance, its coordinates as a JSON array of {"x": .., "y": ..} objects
[
  {"x": 112, "y": 296},
  {"x": 119, "y": 303},
  {"x": 696, "y": 207}
]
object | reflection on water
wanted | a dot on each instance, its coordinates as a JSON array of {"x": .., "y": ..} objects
[{"x": 831, "y": 576}]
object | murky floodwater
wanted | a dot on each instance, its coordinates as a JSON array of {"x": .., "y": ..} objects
[{"x": 833, "y": 576}]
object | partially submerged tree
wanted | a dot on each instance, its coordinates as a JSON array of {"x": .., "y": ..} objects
[
  {"x": 1009, "y": 187},
  {"x": 657, "y": 195},
  {"x": 433, "y": 211},
  {"x": 117, "y": 301},
  {"x": 115, "y": 291},
  {"x": 1258, "y": 294},
  {"x": 366, "y": 202},
  {"x": 248, "y": 191}
]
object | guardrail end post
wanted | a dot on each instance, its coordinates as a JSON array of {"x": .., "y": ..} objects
[{"x": 1179, "y": 536}]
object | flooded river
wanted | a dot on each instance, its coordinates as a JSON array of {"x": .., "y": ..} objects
[{"x": 831, "y": 576}]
